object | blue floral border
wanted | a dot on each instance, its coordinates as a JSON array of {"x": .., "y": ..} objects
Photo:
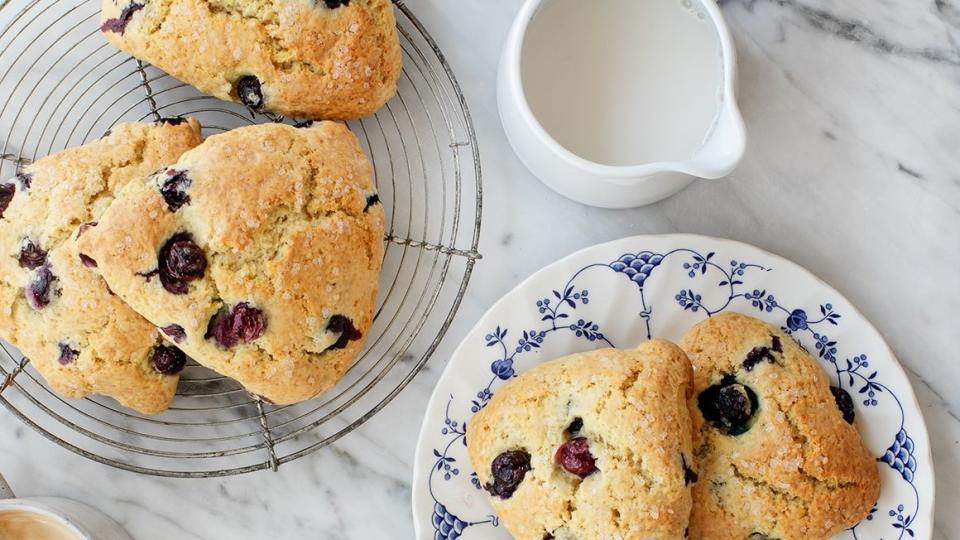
[{"x": 557, "y": 315}]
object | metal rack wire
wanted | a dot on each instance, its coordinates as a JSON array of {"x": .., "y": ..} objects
[{"x": 63, "y": 85}]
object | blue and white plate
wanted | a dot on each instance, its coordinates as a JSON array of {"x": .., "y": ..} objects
[{"x": 620, "y": 293}]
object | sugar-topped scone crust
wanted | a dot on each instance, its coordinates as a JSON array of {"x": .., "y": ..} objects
[
  {"x": 311, "y": 61},
  {"x": 114, "y": 345},
  {"x": 800, "y": 471},
  {"x": 633, "y": 407},
  {"x": 288, "y": 223}
]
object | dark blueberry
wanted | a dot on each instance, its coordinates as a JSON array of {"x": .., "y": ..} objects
[
  {"x": 728, "y": 406},
  {"x": 757, "y": 355},
  {"x": 32, "y": 256},
  {"x": 7, "y": 191},
  {"x": 508, "y": 470},
  {"x": 180, "y": 262},
  {"x": 304, "y": 124},
  {"x": 174, "y": 189},
  {"x": 67, "y": 355},
  {"x": 24, "y": 179},
  {"x": 85, "y": 227},
  {"x": 120, "y": 23},
  {"x": 777, "y": 346},
  {"x": 173, "y": 120},
  {"x": 342, "y": 325},
  {"x": 844, "y": 403},
  {"x": 168, "y": 360},
  {"x": 574, "y": 456},
  {"x": 548, "y": 536},
  {"x": 175, "y": 332},
  {"x": 250, "y": 92},
  {"x": 243, "y": 324},
  {"x": 371, "y": 201},
  {"x": 88, "y": 261},
  {"x": 689, "y": 476},
  {"x": 39, "y": 289},
  {"x": 575, "y": 426},
  {"x": 334, "y": 4}
]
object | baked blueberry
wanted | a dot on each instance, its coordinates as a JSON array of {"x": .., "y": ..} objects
[
  {"x": 32, "y": 256},
  {"x": 40, "y": 287},
  {"x": 372, "y": 200},
  {"x": 7, "y": 191},
  {"x": 757, "y": 355},
  {"x": 88, "y": 261},
  {"x": 168, "y": 360},
  {"x": 575, "y": 457},
  {"x": 25, "y": 180},
  {"x": 85, "y": 227},
  {"x": 689, "y": 475},
  {"x": 728, "y": 406},
  {"x": 175, "y": 332},
  {"x": 173, "y": 120},
  {"x": 508, "y": 470},
  {"x": 844, "y": 403},
  {"x": 575, "y": 426},
  {"x": 340, "y": 324},
  {"x": 334, "y": 4},
  {"x": 243, "y": 324},
  {"x": 67, "y": 355},
  {"x": 180, "y": 262},
  {"x": 174, "y": 189},
  {"x": 250, "y": 92},
  {"x": 119, "y": 24}
]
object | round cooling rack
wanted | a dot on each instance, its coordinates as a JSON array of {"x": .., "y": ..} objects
[{"x": 63, "y": 85}]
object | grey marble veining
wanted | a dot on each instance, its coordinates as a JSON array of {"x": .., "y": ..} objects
[{"x": 852, "y": 170}]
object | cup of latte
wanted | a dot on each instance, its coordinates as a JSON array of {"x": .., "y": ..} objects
[{"x": 53, "y": 518}]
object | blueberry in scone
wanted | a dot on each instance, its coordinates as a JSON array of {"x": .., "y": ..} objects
[
  {"x": 593, "y": 445},
  {"x": 265, "y": 267},
  {"x": 777, "y": 454},
  {"x": 325, "y": 59},
  {"x": 56, "y": 309}
]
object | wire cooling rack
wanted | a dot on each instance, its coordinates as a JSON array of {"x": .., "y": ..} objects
[{"x": 62, "y": 85}]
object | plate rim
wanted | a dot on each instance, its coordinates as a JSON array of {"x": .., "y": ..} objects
[{"x": 418, "y": 476}]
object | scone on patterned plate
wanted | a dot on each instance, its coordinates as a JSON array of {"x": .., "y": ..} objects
[
  {"x": 55, "y": 308},
  {"x": 777, "y": 450},
  {"x": 590, "y": 446},
  {"x": 323, "y": 59},
  {"x": 258, "y": 253}
]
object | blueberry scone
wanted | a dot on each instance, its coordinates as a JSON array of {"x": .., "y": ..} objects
[
  {"x": 777, "y": 452},
  {"x": 321, "y": 59},
  {"x": 257, "y": 253},
  {"x": 591, "y": 446},
  {"x": 80, "y": 337}
]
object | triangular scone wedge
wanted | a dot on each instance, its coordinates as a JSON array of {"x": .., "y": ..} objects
[
  {"x": 590, "y": 446},
  {"x": 777, "y": 453}
]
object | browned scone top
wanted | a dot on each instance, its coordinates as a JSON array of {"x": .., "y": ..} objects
[
  {"x": 55, "y": 308},
  {"x": 324, "y": 59},
  {"x": 258, "y": 253},
  {"x": 590, "y": 446},
  {"x": 778, "y": 455}
]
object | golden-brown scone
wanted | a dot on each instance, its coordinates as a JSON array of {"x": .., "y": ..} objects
[
  {"x": 321, "y": 59},
  {"x": 590, "y": 446},
  {"x": 80, "y": 337},
  {"x": 778, "y": 454},
  {"x": 258, "y": 253}
]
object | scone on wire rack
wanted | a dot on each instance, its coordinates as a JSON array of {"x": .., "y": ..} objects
[
  {"x": 55, "y": 308},
  {"x": 258, "y": 253},
  {"x": 777, "y": 449},
  {"x": 590, "y": 446},
  {"x": 325, "y": 59}
]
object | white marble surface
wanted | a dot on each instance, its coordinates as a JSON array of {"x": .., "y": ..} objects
[{"x": 852, "y": 170}]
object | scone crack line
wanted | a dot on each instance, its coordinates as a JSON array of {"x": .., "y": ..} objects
[{"x": 765, "y": 485}]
